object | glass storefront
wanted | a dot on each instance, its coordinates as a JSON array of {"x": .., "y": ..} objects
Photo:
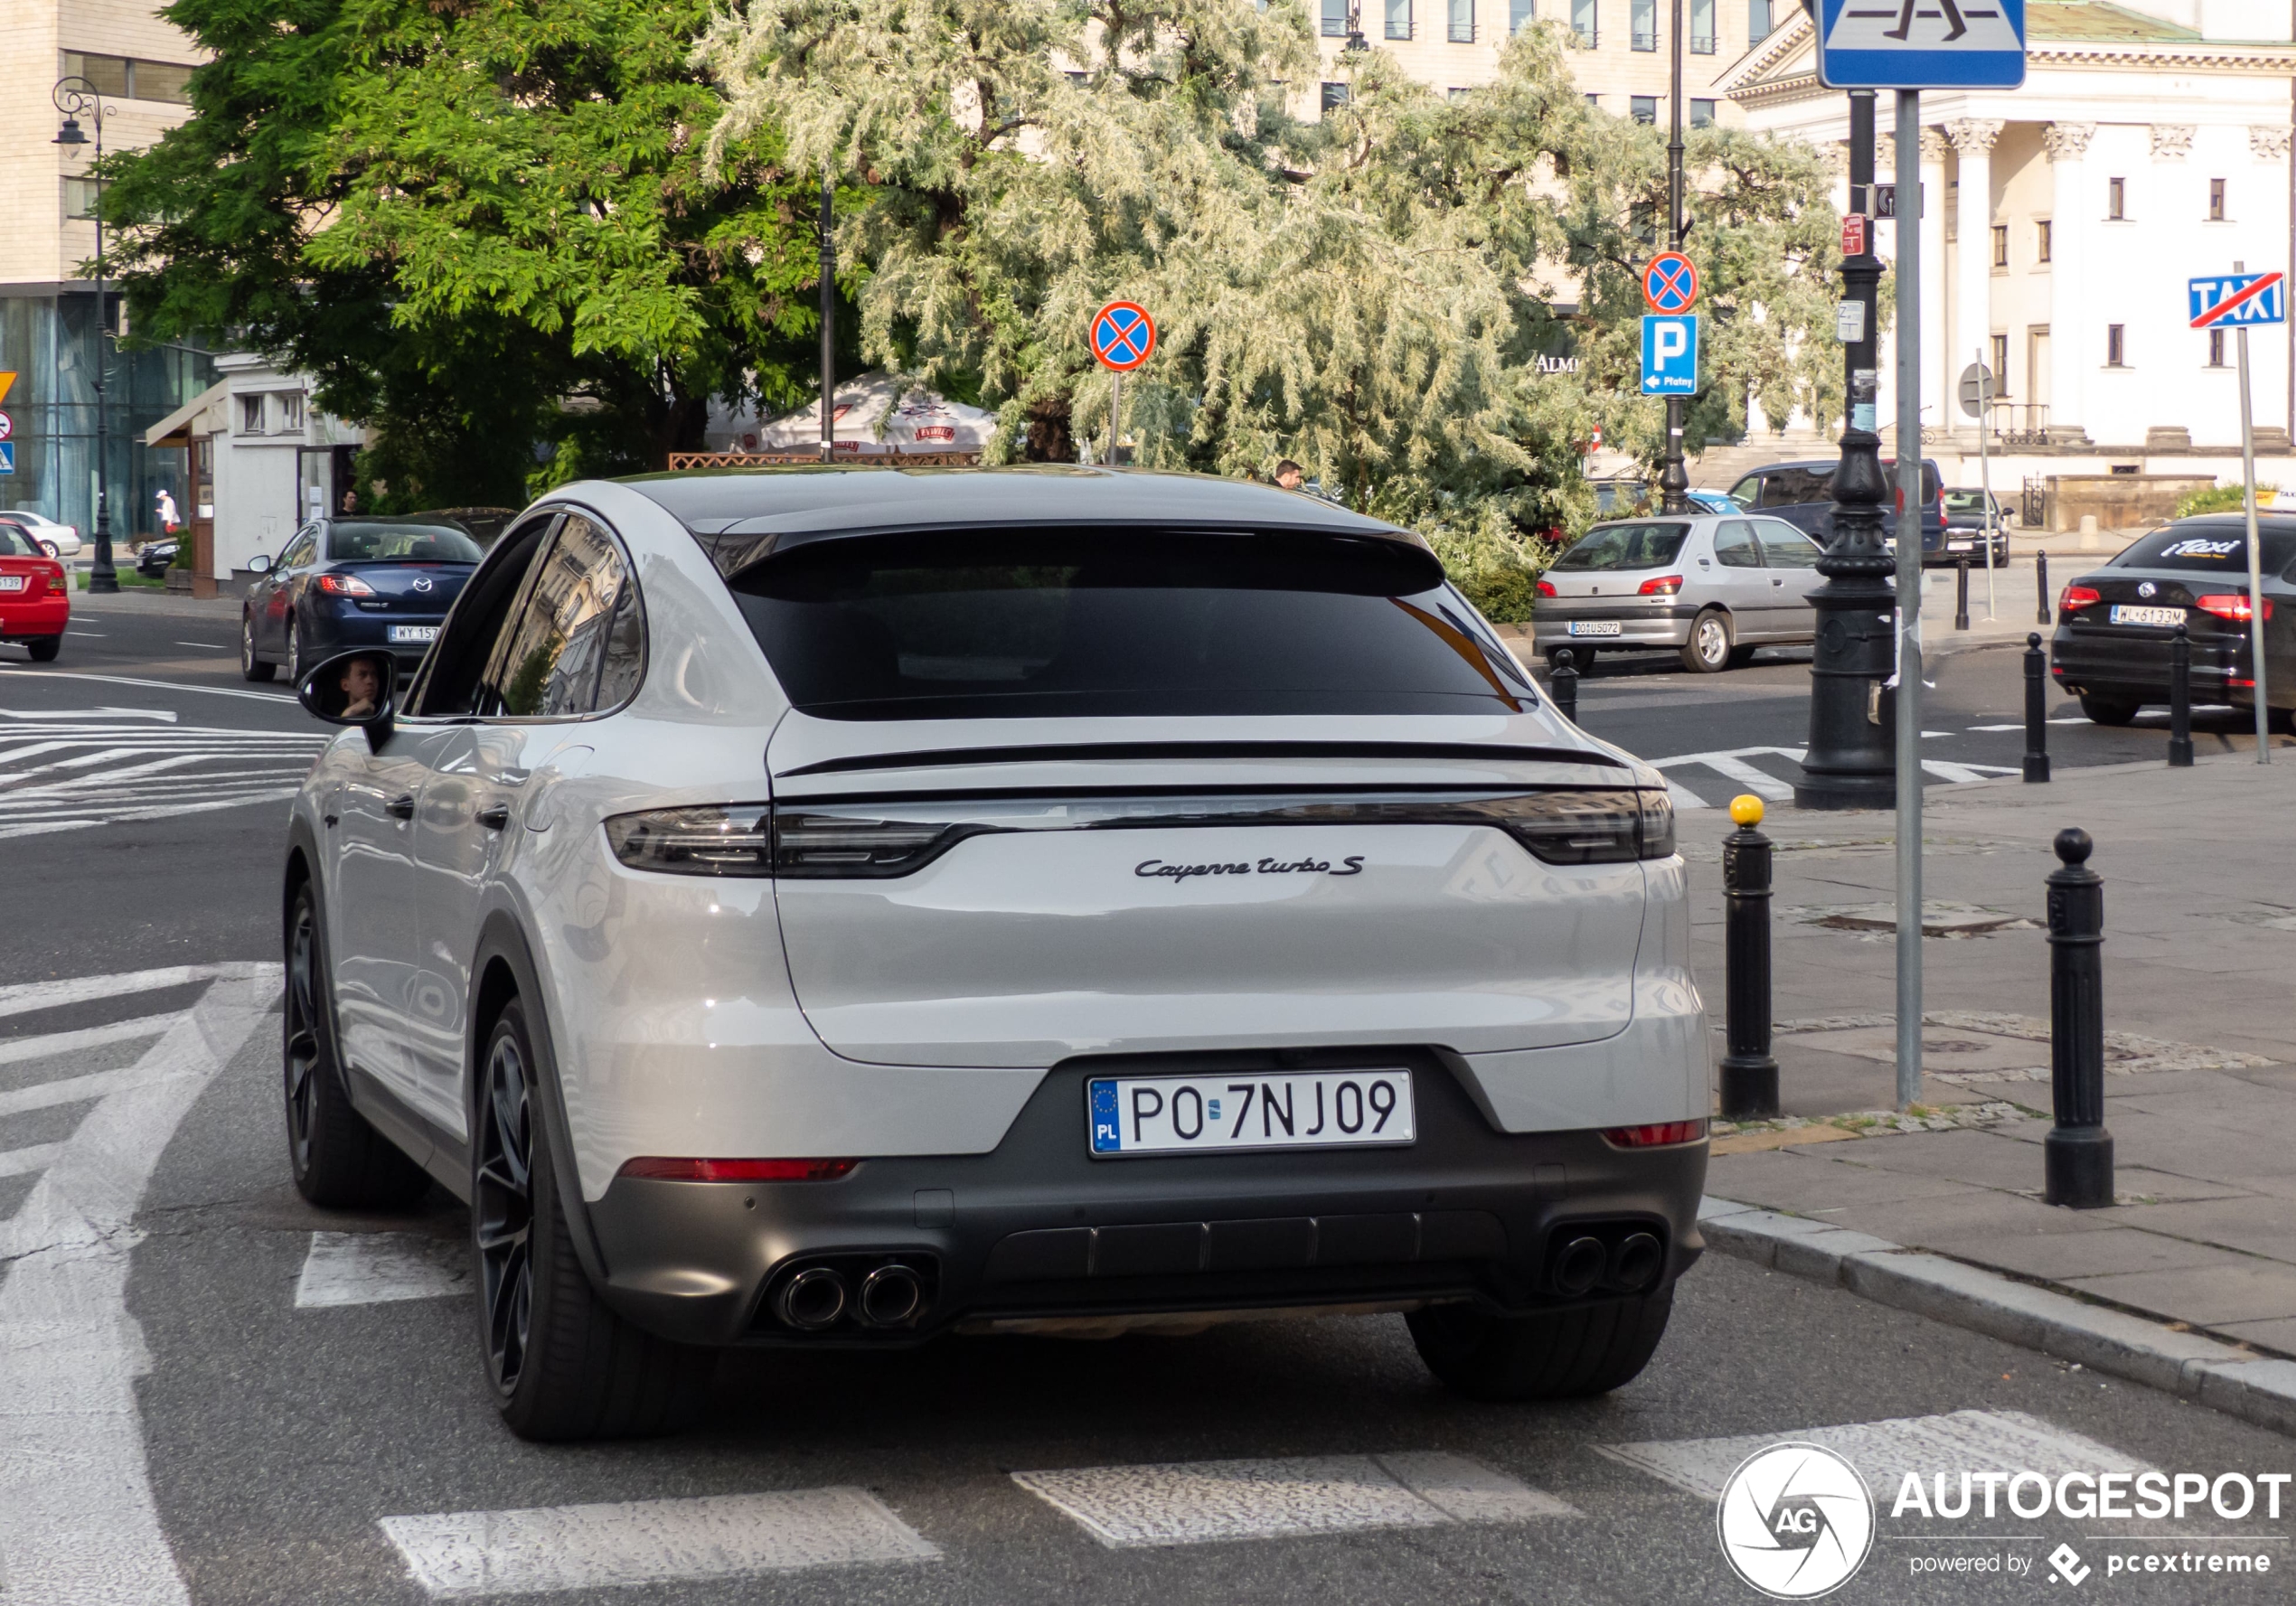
[{"x": 49, "y": 341}]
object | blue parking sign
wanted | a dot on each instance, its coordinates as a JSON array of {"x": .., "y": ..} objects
[{"x": 1671, "y": 355}]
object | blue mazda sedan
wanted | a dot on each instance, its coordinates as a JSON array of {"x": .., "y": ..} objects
[{"x": 353, "y": 582}]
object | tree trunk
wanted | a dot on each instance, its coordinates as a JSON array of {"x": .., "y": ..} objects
[{"x": 1048, "y": 438}]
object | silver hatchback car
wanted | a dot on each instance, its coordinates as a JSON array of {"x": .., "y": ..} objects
[{"x": 1712, "y": 587}]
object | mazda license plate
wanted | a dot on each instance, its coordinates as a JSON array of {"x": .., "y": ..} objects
[
  {"x": 1234, "y": 1111},
  {"x": 2130, "y": 613},
  {"x": 414, "y": 633},
  {"x": 1593, "y": 627}
]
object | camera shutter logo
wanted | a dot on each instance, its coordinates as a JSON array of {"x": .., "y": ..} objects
[{"x": 1795, "y": 1521}]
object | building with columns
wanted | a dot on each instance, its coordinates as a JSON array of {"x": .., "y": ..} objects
[{"x": 2062, "y": 219}]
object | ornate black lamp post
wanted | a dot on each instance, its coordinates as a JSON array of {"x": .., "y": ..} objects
[
  {"x": 1673, "y": 478},
  {"x": 1851, "y": 760},
  {"x": 77, "y": 97}
]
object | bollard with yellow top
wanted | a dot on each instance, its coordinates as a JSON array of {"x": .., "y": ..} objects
[{"x": 1749, "y": 1075}]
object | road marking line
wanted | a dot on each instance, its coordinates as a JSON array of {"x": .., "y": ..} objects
[
  {"x": 464, "y": 1553},
  {"x": 1199, "y": 1502},
  {"x": 90, "y": 1037},
  {"x": 108, "y": 712},
  {"x": 23, "y": 997},
  {"x": 68, "y": 674},
  {"x": 375, "y": 1268},
  {"x": 77, "y": 1517},
  {"x": 1884, "y": 1451},
  {"x": 23, "y": 1162},
  {"x": 1945, "y": 769},
  {"x": 210, "y": 646}
]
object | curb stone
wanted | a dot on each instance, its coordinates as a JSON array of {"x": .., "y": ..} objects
[{"x": 2253, "y": 1388}]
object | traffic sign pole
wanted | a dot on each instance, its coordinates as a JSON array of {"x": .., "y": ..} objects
[
  {"x": 2255, "y": 576},
  {"x": 1909, "y": 653},
  {"x": 1674, "y": 480}
]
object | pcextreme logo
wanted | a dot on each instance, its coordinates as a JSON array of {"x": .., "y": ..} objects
[{"x": 1796, "y": 1521}]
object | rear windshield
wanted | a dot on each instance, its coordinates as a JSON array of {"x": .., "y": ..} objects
[
  {"x": 16, "y": 543},
  {"x": 2207, "y": 549},
  {"x": 1625, "y": 546},
  {"x": 401, "y": 543},
  {"x": 1084, "y": 623}
]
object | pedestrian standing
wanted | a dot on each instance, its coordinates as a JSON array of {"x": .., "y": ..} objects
[
  {"x": 1288, "y": 474},
  {"x": 167, "y": 511}
]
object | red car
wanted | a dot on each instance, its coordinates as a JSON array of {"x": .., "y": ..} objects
[{"x": 35, "y": 599}]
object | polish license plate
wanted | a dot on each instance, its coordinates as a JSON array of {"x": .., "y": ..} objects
[
  {"x": 1959, "y": 546},
  {"x": 414, "y": 633},
  {"x": 2130, "y": 613},
  {"x": 11, "y": 582},
  {"x": 1233, "y": 1111},
  {"x": 1593, "y": 627}
]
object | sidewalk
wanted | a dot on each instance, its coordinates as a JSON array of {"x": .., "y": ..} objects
[{"x": 2200, "y": 1011}]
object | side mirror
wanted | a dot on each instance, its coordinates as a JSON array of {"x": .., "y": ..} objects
[
  {"x": 357, "y": 688},
  {"x": 260, "y": 564}
]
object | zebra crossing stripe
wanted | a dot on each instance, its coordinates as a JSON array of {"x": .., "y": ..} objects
[
  {"x": 1884, "y": 1451},
  {"x": 377, "y": 1268},
  {"x": 1200, "y": 1502},
  {"x": 459, "y": 1554},
  {"x": 68, "y": 776}
]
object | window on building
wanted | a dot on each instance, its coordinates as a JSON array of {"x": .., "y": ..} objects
[
  {"x": 1582, "y": 23},
  {"x": 1701, "y": 27},
  {"x": 1334, "y": 96},
  {"x": 1334, "y": 19},
  {"x": 2116, "y": 346},
  {"x": 2215, "y": 348},
  {"x": 2216, "y": 201},
  {"x": 1643, "y": 22},
  {"x": 1462, "y": 21},
  {"x": 1520, "y": 14},
  {"x": 131, "y": 78},
  {"x": 2041, "y": 240},
  {"x": 79, "y": 198},
  {"x": 1398, "y": 19},
  {"x": 1701, "y": 114},
  {"x": 1455, "y": 94},
  {"x": 1594, "y": 100},
  {"x": 250, "y": 415},
  {"x": 1643, "y": 108},
  {"x": 2000, "y": 365},
  {"x": 2001, "y": 244},
  {"x": 2116, "y": 199},
  {"x": 1758, "y": 21},
  {"x": 290, "y": 410}
]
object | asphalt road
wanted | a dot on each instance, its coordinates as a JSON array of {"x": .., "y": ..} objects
[{"x": 210, "y": 1392}]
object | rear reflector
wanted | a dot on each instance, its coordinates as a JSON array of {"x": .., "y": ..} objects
[
  {"x": 656, "y": 1169},
  {"x": 1655, "y": 1137}
]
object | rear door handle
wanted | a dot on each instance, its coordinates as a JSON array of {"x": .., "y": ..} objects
[
  {"x": 401, "y": 806},
  {"x": 495, "y": 816}
]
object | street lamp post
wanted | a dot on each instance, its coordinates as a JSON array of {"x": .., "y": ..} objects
[
  {"x": 76, "y": 97},
  {"x": 1851, "y": 762},
  {"x": 1673, "y": 479}
]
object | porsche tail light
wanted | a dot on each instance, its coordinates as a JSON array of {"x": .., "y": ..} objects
[{"x": 1657, "y": 1135}]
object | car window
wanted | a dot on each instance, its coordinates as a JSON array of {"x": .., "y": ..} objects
[
  {"x": 548, "y": 663},
  {"x": 401, "y": 543},
  {"x": 454, "y": 668},
  {"x": 1733, "y": 545},
  {"x": 2208, "y": 548},
  {"x": 1747, "y": 491},
  {"x": 1791, "y": 487},
  {"x": 1091, "y": 623},
  {"x": 624, "y": 664},
  {"x": 1625, "y": 547},
  {"x": 1785, "y": 547},
  {"x": 301, "y": 550},
  {"x": 16, "y": 543}
]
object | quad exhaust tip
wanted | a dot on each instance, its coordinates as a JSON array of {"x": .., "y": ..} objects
[
  {"x": 891, "y": 1296},
  {"x": 1637, "y": 1262},
  {"x": 812, "y": 1299},
  {"x": 1580, "y": 1265}
]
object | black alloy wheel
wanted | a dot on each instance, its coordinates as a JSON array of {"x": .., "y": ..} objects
[
  {"x": 502, "y": 1212},
  {"x": 301, "y": 1061}
]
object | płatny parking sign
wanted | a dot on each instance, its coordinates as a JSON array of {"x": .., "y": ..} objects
[
  {"x": 1921, "y": 44},
  {"x": 1669, "y": 355},
  {"x": 2228, "y": 300}
]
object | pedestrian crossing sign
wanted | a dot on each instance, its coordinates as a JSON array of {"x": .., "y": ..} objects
[{"x": 1921, "y": 44}]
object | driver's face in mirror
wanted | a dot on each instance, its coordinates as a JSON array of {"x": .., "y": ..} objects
[{"x": 358, "y": 690}]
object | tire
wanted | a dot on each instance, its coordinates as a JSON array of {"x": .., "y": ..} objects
[
  {"x": 295, "y": 657},
  {"x": 563, "y": 1365},
  {"x": 251, "y": 667},
  {"x": 2109, "y": 710},
  {"x": 1559, "y": 1355},
  {"x": 1707, "y": 650},
  {"x": 49, "y": 547},
  {"x": 339, "y": 1161},
  {"x": 44, "y": 648}
]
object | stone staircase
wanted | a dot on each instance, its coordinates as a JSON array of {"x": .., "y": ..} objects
[{"x": 1717, "y": 468}]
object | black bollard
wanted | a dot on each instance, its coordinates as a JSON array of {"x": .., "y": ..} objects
[
  {"x": 1749, "y": 1076},
  {"x": 2036, "y": 709},
  {"x": 2041, "y": 579},
  {"x": 1961, "y": 596},
  {"x": 2077, "y": 1157},
  {"x": 1562, "y": 685},
  {"x": 2180, "y": 699}
]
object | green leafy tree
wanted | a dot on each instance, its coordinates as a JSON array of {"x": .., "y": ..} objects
[{"x": 481, "y": 224}]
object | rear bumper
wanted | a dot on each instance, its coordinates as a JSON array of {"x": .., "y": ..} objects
[
  {"x": 1038, "y": 1229},
  {"x": 341, "y": 629},
  {"x": 1657, "y": 624},
  {"x": 2130, "y": 661},
  {"x": 46, "y": 616}
]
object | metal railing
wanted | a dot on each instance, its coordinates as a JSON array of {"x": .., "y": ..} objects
[
  {"x": 1701, "y": 44},
  {"x": 2019, "y": 423},
  {"x": 1463, "y": 30},
  {"x": 1644, "y": 40}
]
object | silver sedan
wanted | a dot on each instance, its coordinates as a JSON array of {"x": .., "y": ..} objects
[{"x": 1711, "y": 587}]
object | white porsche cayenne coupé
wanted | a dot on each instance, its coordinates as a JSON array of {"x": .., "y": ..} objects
[{"x": 836, "y": 907}]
